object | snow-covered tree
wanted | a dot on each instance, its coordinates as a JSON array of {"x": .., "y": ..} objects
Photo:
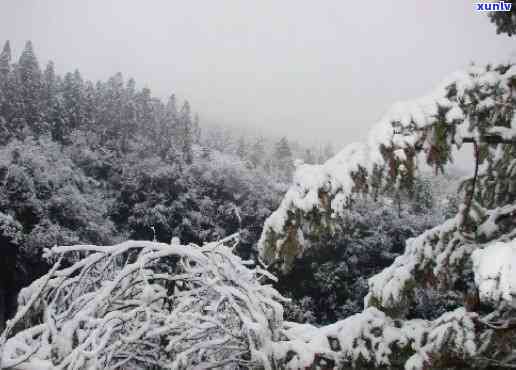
[
  {"x": 186, "y": 132},
  {"x": 29, "y": 75},
  {"x": 5, "y": 67},
  {"x": 257, "y": 152},
  {"x": 5, "y": 60},
  {"x": 330, "y": 278},
  {"x": 309, "y": 157},
  {"x": 505, "y": 21},
  {"x": 475, "y": 106},
  {"x": 283, "y": 158}
]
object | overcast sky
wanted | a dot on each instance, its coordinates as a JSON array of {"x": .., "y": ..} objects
[{"x": 312, "y": 70}]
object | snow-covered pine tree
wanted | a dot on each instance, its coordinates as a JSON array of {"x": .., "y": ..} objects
[
  {"x": 29, "y": 75},
  {"x": 129, "y": 122},
  {"x": 49, "y": 89},
  {"x": 168, "y": 138},
  {"x": 257, "y": 155},
  {"x": 52, "y": 105},
  {"x": 309, "y": 157},
  {"x": 111, "y": 114},
  {"x": 12, "y": 106},
  {"x": 5, "y": 67},
  {"x": 476, "y": 105},
  {"x": 422, "y": 197},
  {"x": 146, "y": 116},
  {"x": 5, "y": 60},
  {"x": 186, "y": 132},
  {"x": 283, "y": 158}
]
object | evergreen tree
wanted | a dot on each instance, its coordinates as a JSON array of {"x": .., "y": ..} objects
[
  {"x": 89, "y": 106},
  {"x": 129, "y": 117},
  {"x": 283, "y": 157},
  {"x": 52, "y": 105},
  {"x": 49, "y": 84},
  {"x": 31, "y": 85},
  {"x": 148, "y": 133},
  {"x": 172, "y": 113},
  {"x": 114, "y": 120},
  {"x": 73, "y": 102},
  {"x": 186, "y": 134},
  {"x": 196, "y": 127},
  {"x": 423, "y": 199},
  {"x": 5, "y": 60},
  {"x": 282, "y": 150},
  {"x": 49, "y": 90},
  {"x": 505, "y": 21},
  {"x": 169, "y": 142},
  {"x": 309, "y": 157},
  {"x": 257, "y": 153},
  {"x": 11, "y": 108}
]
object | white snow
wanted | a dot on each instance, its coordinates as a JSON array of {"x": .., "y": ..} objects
[
  {"x": 410, "y": 119},
  {"x": 107, "y": 308},
  {"x": 421, "y": 253},
  {"x": 370, "y": 339},
  {"x": 495, "y": 272}
]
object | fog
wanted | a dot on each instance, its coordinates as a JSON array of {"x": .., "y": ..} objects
[{"x": 314, "y": 71}]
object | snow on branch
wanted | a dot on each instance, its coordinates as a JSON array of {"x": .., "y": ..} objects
[
  {"x": 495, "y": 272},
  {"x": 438, "y": 253},
  {"x": 371, "y": 339},
  {"x": 144, "y": 304},
  {"x": 454, "y": 112},
  {"x": 441, "y": 256}
]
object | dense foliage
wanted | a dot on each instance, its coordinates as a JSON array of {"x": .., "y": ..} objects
[
  {"x": 84, "y": 162},
  {"x": 505, "y": 21},
  {"x": 329, "y": 281}
]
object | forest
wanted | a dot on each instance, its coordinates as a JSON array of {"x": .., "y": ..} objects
[{"x": 135, "y": 236}]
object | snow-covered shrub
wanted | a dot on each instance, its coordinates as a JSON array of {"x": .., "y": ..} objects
[{"x": 146, "y": 305}]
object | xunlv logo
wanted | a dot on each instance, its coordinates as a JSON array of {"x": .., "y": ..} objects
[{"x": 501, "y": 6}]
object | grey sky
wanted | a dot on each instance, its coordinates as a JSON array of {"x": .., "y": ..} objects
[{"x": 313, "y": 70}]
